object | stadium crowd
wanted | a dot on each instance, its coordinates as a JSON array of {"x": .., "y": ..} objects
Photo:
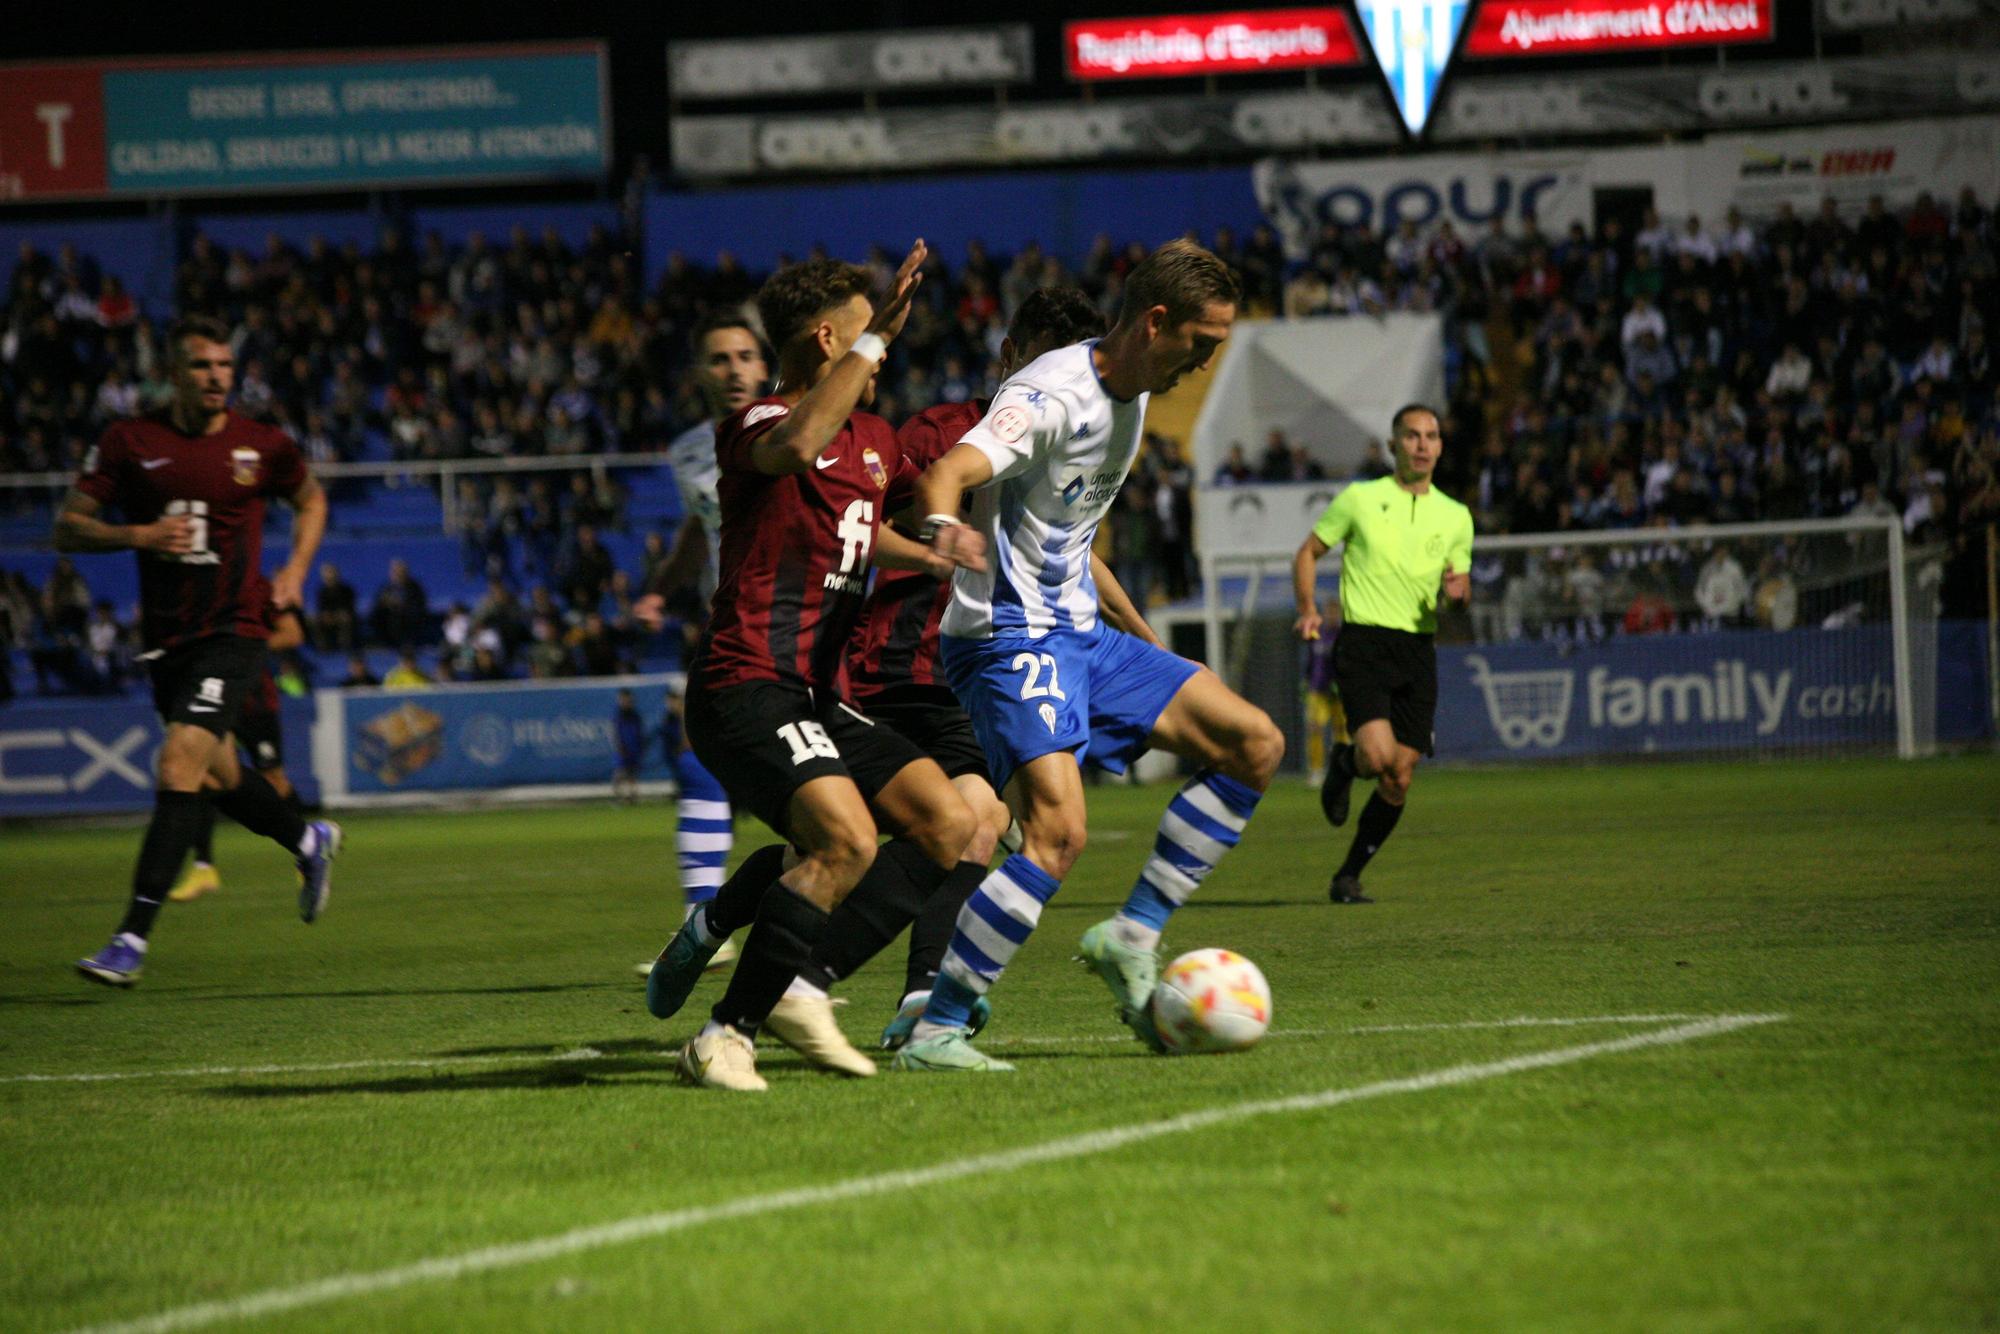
[{"x": 1695, "y": 370}]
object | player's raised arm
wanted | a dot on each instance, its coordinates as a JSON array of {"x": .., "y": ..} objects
[
  {"x": 796, "y": 442},
  {"x": 1116, "y": 606}
]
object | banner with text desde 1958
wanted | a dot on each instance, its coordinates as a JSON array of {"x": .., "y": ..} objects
[
  {"x": 473, "y": 737},
  {"x": 1468, "y": 190},
  {"x": 303, "y": 121},
  {"x": 1658, "y": 694}
]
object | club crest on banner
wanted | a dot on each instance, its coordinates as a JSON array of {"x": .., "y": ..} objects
[{"x": 1413, "y": 41}]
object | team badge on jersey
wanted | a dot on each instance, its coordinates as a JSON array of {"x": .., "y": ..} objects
[
  {"x": 876, "y": 472},
  {"x": 245, "y": 466},
  {"x": 1010, "y": 424}
]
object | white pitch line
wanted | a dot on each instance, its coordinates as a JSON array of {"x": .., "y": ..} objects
[
  {"x": 586, "y": 1054},
  {"x": 589, "y": 1055},
  {"x": 273, "y": 1301}
]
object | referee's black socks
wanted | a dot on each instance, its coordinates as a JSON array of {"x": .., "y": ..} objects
[{"x": 1378, "y": 820}]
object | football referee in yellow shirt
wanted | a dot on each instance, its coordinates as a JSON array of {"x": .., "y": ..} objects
[{"x": 1406, "y": 543}]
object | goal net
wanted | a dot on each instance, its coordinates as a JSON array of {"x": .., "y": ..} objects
[{"x": 1815, "y": 636}]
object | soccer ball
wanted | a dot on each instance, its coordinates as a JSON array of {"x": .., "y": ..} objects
[{"x": 1211, "y": 1000}]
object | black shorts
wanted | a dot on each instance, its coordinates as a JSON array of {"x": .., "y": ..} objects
[
  {"x": 932, "y": 717},
  {"x": 764, "y": 740},
  {"x": 1390, "y": 674},
  {"x": 204, "y": 683},
  {"x": 260, "y": 735}
]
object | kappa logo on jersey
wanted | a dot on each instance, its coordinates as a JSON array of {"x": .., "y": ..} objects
[
  {"x": 1081, "y": 431},
  {"x": 876, "y": 472},
  {"x": 764, "y": 412},
  {"x": 1048, "y": 712},
  {"x": 1011, "y": 423},
  {"x": 1073, "y": 490},
  {"x": 245, "y": 466}
]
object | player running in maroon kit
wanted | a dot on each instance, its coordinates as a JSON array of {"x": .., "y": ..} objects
[
  {"x": 190, "y": 484},
  {"x": 894, "y": 675},
  {"x": 260, "y": 733},
  {"x": 804, "y": 479}
]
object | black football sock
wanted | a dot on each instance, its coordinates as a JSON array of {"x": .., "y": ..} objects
[
  {"x": 888, "y": 899},
  {"x": 204, "y": 838},
  {"x": 176, "y": 819},
  {"x": 931, "y": 935},
  {"x": 1378, "y": 818},
  {"x": 780, "y": 945},
  {"x": 256, "y": 805},
  {"x": 735, "y": 904},
  {"x": 1343, "y": 760}
]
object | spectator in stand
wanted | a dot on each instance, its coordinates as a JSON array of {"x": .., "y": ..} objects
[
  {"x": 334, "y": 620},
  {"x": 586, "y": 575},
  {"x": 1722, "y": 590},
  {"x": 406, "y": 675},
  {"x": 1276, "y": 464},
  {"x": 400, "y": 616},
  {"x": 1234, "y": 470},
  {"x": 358, "y": 674}
]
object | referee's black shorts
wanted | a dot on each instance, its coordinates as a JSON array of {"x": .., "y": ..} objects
[{"x": 1390, "y": 674}]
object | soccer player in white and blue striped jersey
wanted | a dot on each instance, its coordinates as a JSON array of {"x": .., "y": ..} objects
[
  {"x": 1047, "y": 684},
  {"x": 730, "y": 372}
]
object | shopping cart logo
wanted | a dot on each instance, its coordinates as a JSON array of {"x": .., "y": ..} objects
[{"x": 1526, "y": 707}]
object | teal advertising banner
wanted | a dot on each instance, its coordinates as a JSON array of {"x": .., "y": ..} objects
[{"x": 355, "y": 119}]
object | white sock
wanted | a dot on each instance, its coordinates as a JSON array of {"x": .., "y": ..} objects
[
  {"x": 1136, "y": 934},
  {"x": 135, "y": 942},
  {"x": 710, "y": 1027},
  {"x": 308, "y": 842},
  {"x": 805, "y": 990},
  {"x": 926, "y": 1029},
  {"x": 689, "y": 911},
  {"x": 914, "y": 998},
  {"x": 206, "y": 866},
  {"x": 699, "y": 920}
]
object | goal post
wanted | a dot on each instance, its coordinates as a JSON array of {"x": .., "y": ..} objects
[{"x": 1811, "y": 636}]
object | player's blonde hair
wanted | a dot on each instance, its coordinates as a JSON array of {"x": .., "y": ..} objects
[{"x": 1182, "y": 276}]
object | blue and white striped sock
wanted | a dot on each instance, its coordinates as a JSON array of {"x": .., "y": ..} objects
[
  {"x": 703, "y": 835},
  {"x": 1203, "y": 821},
  {"x": 995, "y": 921}
]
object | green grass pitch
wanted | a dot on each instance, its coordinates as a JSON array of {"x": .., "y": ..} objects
[{"x": 457, "y": 1058}]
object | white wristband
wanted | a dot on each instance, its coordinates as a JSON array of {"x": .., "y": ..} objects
[
  {"x": 933, "y": 523},
  {"x": 872, "y": 346}
]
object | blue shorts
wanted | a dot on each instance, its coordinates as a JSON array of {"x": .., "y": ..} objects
[{"x": 1096, "y": 692}]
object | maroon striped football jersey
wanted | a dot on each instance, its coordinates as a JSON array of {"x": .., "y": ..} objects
[
  {"x": 897, "y": 641},
  {"x": 795, "y": 550},
  {"x": 145, "y": 468}
]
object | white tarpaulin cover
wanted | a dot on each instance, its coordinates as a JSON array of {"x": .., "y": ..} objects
[{"x": 1329, "y": 383}]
